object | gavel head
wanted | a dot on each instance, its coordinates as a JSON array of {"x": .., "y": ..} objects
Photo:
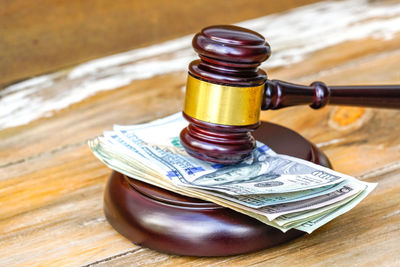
[{"x": 224, "y": 94}]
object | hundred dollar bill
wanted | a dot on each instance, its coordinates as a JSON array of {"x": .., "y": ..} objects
[
  {"x": 314, "y": 224},
  {"x": 151, "y": 153},
  {"x": 267, "y": 173},
  {"x": 350, "y": 189},
  {"x": 116, "y": 163},
  {"x": 149, "y": 179},
  {"x": 312, "y": 205},
  {"x": 262, "y": 200},
  {"x": 298, "y": 218},
  {"x": 131, "y": 172}
]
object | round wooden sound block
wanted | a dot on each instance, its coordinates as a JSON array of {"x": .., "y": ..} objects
[{"x": 168, "y": 222}]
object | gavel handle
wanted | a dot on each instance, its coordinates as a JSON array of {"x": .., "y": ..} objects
[{"x": 279, "y": 94}]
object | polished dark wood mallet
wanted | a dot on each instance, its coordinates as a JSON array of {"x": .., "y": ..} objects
[{"x": 226, "y": 91}]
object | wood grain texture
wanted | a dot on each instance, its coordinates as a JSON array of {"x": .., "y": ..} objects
[
  {"x": 46, "y": 35},
  {"x": 51, "y": 186},
  {"x": 366, "y": 236}
]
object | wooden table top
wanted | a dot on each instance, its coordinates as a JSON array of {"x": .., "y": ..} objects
[{"x": 51, "y": 186}]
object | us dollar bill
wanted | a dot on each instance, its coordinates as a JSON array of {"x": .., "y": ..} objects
[
  {"x": 257, "y": 201},
  {"x": 274, "y": 211},
  {"x": 279, "y": 190},
  {"x": 290, "y": 222},
  {"x": 311, "y": 225},
  {"x": 266, "y": 173},
  {"x": 296, "y": 219},
  {"x": 117, "y": 163}
]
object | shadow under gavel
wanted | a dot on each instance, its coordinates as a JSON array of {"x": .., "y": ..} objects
[{"x": 226, "y": 91}]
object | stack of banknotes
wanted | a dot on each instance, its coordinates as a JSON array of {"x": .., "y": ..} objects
[{"x": 281, "y": 191}]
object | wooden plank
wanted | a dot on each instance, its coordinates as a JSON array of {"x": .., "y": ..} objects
[
  {"x": 46, "y": 35},
  {"x": 55, "y": 214}
]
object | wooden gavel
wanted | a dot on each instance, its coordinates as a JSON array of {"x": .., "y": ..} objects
[{"x": 226, "y": 91}]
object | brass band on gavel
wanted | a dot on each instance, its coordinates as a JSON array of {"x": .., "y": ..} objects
[{"x": 222, "y": 104}]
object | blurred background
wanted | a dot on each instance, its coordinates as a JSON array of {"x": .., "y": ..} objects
[{"x": 42, "y": 36}]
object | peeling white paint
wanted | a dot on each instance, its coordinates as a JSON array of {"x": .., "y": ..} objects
[
  {"x": 394, "y": 213},
  {"x": 380, "y": 171},
  {"x": 292, "y": 35},
  {"x": 330, "y": 142}
]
